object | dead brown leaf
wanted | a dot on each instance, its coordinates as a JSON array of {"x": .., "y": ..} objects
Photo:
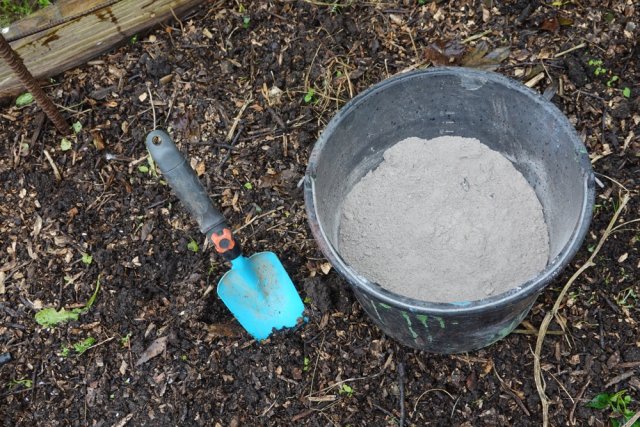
[
  {"x": 552, "y": 25},
  {"x": 223, "y": 330},
  {"x": 98, "y": 141},
  {"x": 189, "y": 127},
  {"x": 444, "y": 52},
  {"x": 156, "y": 348},
  {"x": 200, "y": 168},
  {"x": 483, "y": 59}
]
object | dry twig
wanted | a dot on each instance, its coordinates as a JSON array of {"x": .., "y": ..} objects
[
  {"x": 153, "y": 109},
  {"x": 537, "y": 373},
  {"x": 632, "y": 420}
]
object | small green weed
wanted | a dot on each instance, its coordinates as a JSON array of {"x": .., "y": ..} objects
[
  {"x": 626, "y": 92},
  {"x": 307, "y": 300},
  {"x": 248, "y": 186},
  {"x": 65, "y": 351},
  {"x": 77, "y": 127},
  {"x": 49, "y": 317},
  {"x": 346, "y": 389},
  {"x": 152, "y": 166},
  {"x": 309, "y": 96},
  {"x": 306, "y": 364},
  {"x": 134, "y": 39},
  {"x": 597, "y": 65},
  {"x": 612, "y": 80},
  {"x": 124, "y": 341},
  {"x": 87, "y": 259},
  {"x": 617, "y": 403},
  {"x": 609, "y": 17},
  {"x": 84, "y": 345},
  {"x": 193, "y": 246},
  {"x": 24, "y": 383},
  {"x": 627, "y": 298},
  {"x": 12, "y": 10},
  {"x": 245, "y": 22},
  {"x": 149, "y": 168},
  {"x": 80, "y": 347},
  {"x": 65, "y": 144}
]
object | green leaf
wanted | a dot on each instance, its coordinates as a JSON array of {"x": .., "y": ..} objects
[
  {"x": 248, "y": 186},
  {"x": 65, "y": 351},
  {"x": 65, "y": 144},
  {"x": 193, "y": 246},
  {"x": 143, "y": 168},
  {"x": 49, "y": 317},
  {"x": 24, "y": 99},
  {"x": 346, "y": 389},
  {"x": 124, "y": 341},
  {"x": 92, "y": 300},
  {"x": 245, "y": 22},
  {"x": 309, "y": 95},
  {"x": 25, "y": 383},
  {"x": 87, "y": 259},
  {"x": 84, "y": 345},
  {"x": 77, "y": 127},
  {"x": 601, "y": 401},
  {"x": 614, "y": 422},
  {"x": 609, "y": 17},
  {"x": 152, "y": 165},
  {"x": 626, "y": 92}
]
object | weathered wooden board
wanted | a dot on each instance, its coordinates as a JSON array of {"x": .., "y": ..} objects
[
  {"x": 73, "y": 43},
  {"x": 49, "y": 16}
]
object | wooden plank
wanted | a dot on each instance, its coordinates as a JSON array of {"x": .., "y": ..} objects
[
  {"x": 59, "y": 11},
  {"x": 73, "y": 43}
]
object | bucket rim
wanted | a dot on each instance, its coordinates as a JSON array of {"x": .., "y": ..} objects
[{"x": 525, "y": 290}]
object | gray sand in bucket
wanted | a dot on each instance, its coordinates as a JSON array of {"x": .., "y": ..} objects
[{"x": 444, "y": 220}]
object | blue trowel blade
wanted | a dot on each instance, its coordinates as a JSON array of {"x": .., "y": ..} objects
[{"x": 260, "y": 294}]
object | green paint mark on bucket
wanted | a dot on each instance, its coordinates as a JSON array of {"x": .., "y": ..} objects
[
  {"x": 376, "y": 310},
  {"x": 423, "y": 319},
  {"x": 441, "y": 321},
  {"x": 383, "y": 305},
  {"x": 406, "y": 317}
]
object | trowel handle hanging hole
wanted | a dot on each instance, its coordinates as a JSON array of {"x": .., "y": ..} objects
[{"x": 156, "y": 140}]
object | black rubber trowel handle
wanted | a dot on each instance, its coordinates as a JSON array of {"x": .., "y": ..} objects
[{"x": 185, "y": 184}]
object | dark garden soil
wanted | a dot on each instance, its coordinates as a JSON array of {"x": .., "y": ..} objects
[{"x": 230, "y": 83}]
